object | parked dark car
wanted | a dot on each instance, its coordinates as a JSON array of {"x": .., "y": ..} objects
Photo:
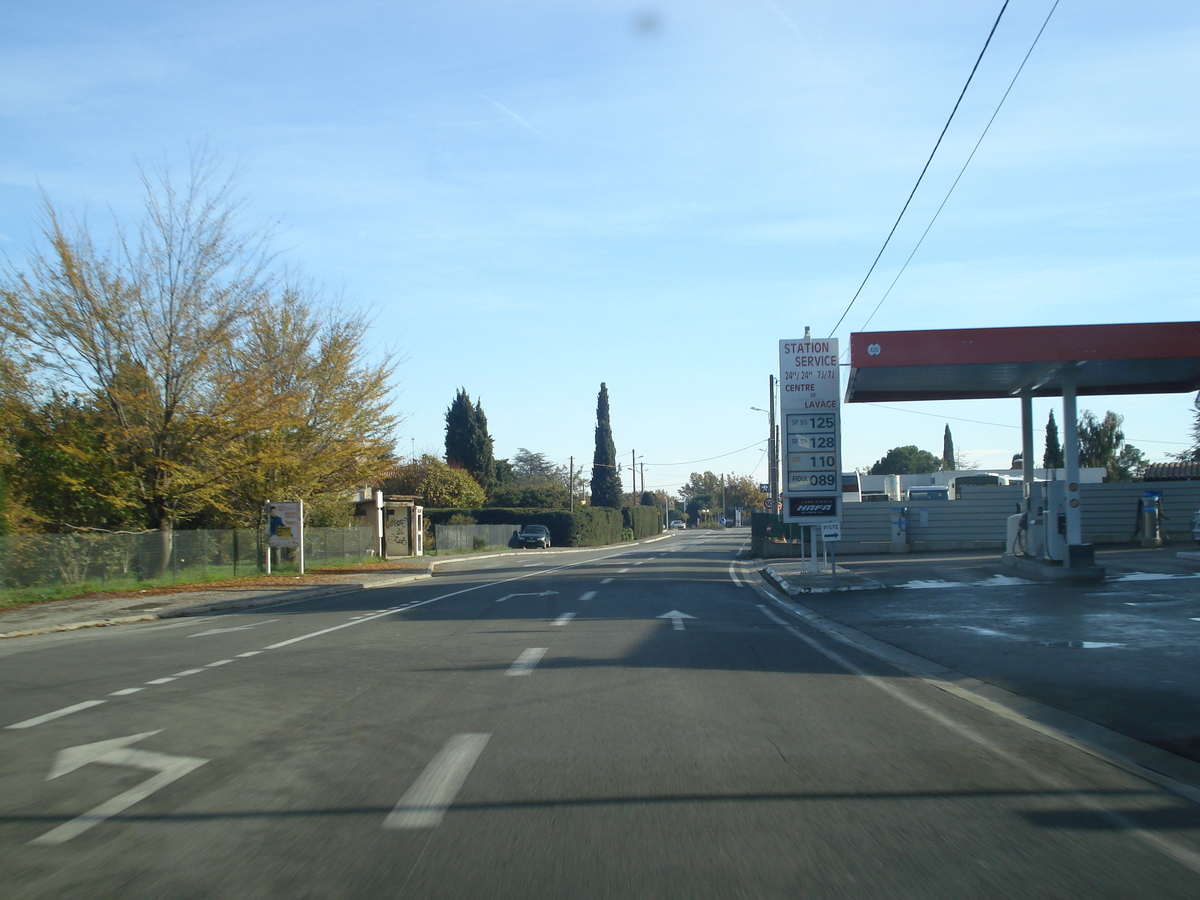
[{"x": 534, "y": 536}]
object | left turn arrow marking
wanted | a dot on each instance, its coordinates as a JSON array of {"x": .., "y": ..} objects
[{"x": 115, "y": 752}]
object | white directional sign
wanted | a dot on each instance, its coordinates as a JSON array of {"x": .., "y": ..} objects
[
  {"x": 115, "y": 752},
  {"x": 809, "y": 393}
]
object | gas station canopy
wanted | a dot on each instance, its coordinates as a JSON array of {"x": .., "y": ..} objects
[{"x": 980, "y": 363}]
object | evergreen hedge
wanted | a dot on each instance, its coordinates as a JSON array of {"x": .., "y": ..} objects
[
  {"x": 644, "y": 521},
  {"x": 586, "y": 527}
]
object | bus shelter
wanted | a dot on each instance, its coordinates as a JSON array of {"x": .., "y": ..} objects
[{"x": 1065, "y": 361}]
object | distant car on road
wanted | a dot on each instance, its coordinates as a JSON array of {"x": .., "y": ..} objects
[
  {"x": 534, "y": 536},
  {"x": 677, "y": 524}
]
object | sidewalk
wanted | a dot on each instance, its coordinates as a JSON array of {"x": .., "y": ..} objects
[{"x": 100, "y": 610}]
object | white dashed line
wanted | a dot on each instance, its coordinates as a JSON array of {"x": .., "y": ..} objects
[
  {"x": 59, "y": 713},
  {"x": 187, "y": 672},
  {"x": 250, "y": 653},
  {"x": 425, "y": 803},
  {"x": 606, "y": 581},
  {"x": 622, "y": 571},
  {"x": 526, "y": 661},
  {"x": 587, "y": 595},
  {"x": 219, "y": 662},
  {"x": 125, "y": 692},
  {"x": 161, "y": 680},
  {"x": 564, "y": 618}
]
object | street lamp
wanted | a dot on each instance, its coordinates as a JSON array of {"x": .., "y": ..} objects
[{"x": 772, "y": 450}]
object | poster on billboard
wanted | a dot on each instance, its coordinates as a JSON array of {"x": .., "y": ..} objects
[
  {"x": 285, "y": 521},
  {"x": 809, "y": 405}
]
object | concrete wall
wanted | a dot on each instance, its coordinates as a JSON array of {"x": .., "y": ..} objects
[{"x": 978, "y": 521}]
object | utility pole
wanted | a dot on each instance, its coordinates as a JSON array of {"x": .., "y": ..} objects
[
  {"x": 773, "y": 452},
  {"x": 571, "y": 484},
  {"x": 643, "y": 465},
  {"x": 722, "y": 496},
  {"x": 633, "y": 474}
]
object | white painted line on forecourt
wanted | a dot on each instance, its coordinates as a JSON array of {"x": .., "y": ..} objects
[
  {"x": 161, "y": 680},
  {"x": 564, "y": 618},
  {"x": 125, "y": 692},
  {"x": 250, "y": 653},
  {"x": 57, "y": 714},
  {"x": 587, "y": 595},
  {"x": 425, "y": 803},
  {"x": 219, "y": 662},
  {"x": 187, "y": 672},
  {"x": 526, "y": 661}
]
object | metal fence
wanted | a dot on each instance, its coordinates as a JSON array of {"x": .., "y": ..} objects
[
  {"x": 450, "y": 538},
  {"x": 112, "y": 560}
]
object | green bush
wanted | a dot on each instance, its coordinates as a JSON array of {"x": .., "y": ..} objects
[{"x": 626, "y": 535}]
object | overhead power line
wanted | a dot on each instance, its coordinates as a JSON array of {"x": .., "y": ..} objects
[
  {"x": 964, "y": 168},
  {"x": 692, "y": 462},
  {"x": 923, "y": 171}
]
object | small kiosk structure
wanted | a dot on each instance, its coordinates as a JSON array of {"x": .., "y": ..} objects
[
  {"x": 397, "y": 521},
  {"x": 1066, "y": 361}
]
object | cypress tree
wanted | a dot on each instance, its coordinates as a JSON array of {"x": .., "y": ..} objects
[
  {"x": 606, "y": 479},
  {"x": 1053, "y": 457},
  {"x": 468, "y": 444},
  {"x": 947, "y": 450}
]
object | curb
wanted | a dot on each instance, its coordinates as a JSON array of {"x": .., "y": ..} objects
[
  {"x": 198, "y": 609},
  {"x": 791, "y": 590},
  {"x": 1177, "y": 774}
]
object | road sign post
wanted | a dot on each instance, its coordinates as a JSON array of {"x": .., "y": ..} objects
[{"x": 809, "y": 388}]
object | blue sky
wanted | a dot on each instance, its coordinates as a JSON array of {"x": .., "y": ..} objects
[{"x": 537, "y": 197}]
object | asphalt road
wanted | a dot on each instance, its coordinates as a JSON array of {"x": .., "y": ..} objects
[{"x": 537, "y": 728}]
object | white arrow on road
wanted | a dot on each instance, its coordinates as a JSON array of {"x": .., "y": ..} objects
[
  {"x": 541, "y": 594},
  {"x": 235, "y": 628},
  {"x": 676, "y": 618},
  {"x": 115, "y": 752}
]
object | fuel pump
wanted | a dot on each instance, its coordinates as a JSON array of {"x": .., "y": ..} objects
[{"x": 1149, "y": 519}]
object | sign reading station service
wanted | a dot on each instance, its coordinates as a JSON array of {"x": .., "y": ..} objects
[{"x": 809, "y": 393}]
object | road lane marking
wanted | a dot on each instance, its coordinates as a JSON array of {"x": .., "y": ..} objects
[
  {"x": 125, "y": 692},
  {"x": 57, "y": 714},
  {"x": 564, "y": 618},
  {"x": 219, "y": 662},
  {"x": 733, "y": 575},
  {"x": 1183, "y": 855},
  {"x": 425, "y": 803},
  {"x": 115, "y": 752},
  {"x": 250, "y": 653},
  {"x": 161, "y": 680},
  {"x": 676, "y": 618},
  {"x": 606, "y": 581},
  {"x": 639, "y": 562},
  {"x": 622, "y": 571},
  {"x": 187, "y": 672},
  {"x": 526, "y": 661},
  {"x": 234, "y": 628},
  {"x": 587, "y": 595},
  {"x": 467, "y": 590}
]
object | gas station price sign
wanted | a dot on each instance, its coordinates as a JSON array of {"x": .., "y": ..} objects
[{"x": 809, "y": 388}]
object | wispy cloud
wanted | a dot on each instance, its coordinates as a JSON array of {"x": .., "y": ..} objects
[{"x": 512, "y": 115}]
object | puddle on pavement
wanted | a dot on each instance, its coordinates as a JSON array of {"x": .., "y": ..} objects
[{"x": 1081, "y": 645}]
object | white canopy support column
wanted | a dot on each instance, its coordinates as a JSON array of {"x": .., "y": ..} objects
[
  {"x": 1071, "y": 457},
  {"x": 1026, "y": 446}
]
